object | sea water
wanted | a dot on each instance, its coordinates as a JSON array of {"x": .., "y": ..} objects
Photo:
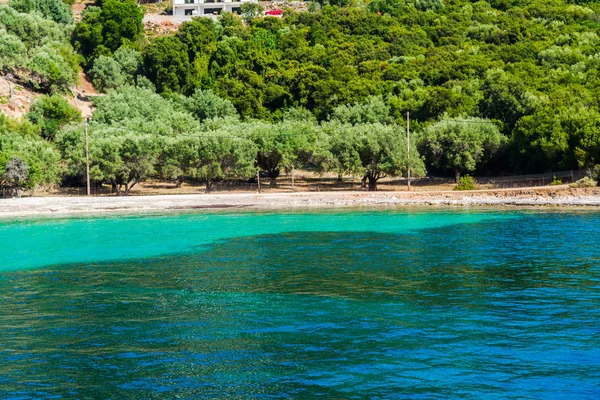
[{"x": 364, "y": 304}]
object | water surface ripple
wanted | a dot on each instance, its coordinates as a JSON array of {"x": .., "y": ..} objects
[{"x": 365, "y": 305}]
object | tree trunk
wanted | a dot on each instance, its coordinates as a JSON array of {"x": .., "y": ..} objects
[
  {"x": 209, "y": 184},
  {"x": 273, "y": 173},
  {"x": 372, "y": 184},
  {"x": 457, "y": 175},
  {"x": 340, "y": 177},
  {"x": 117, "y": 188},
  {"x": 363, "y": 182},
  {"x": 129, "y": 186},
  {"x": 179, "y": 182}
]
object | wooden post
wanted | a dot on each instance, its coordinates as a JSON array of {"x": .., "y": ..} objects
[
  {"x": 408, "y": 147},
  {"x": 87, "y": 157}
]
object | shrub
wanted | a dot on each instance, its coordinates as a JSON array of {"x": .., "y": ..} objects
[
  {"x": 556, "y": 182},
  {"x": 466, "y": 183},
  {"x": 596, "y": 173},
  {"x": 585, "y": 182}
]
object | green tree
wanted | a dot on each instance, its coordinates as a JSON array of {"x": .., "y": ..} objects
[
  {"x": 213, "y": 157},
  {"x": 16, "y": 173},
  {"x": 337, "y": 150},
  {"x": 142, "y": 110},
  {"x": 12, "y": 52},
  {"x": 122, "y": 159},
  {"x": 372, "y": 110},
  {"x": 106, "y": 73},
  {"x": 130, "y": 61},
  {"x": 102, "y": 30},
  {"x": 52, "y": 113},
  {"x": 204, "y": 104},
  {"x": 113, "y": 72},
  {"x": 56, "y": 10},
  {"x": 41, "y": 157},
  {"x": 249, "y": 11},
  {"x": 199, "y": 35},
  {"x": 281, "y": 146},
  {"x": 460, "y": 144},
  {"x": 167, "y": 65},
  {"x": 382, "y": 152}
]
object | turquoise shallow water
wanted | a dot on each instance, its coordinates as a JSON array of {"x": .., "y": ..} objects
[{"x": 447, "y": 304}]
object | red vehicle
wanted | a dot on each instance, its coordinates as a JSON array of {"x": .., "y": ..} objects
[{"x": 274, "y": 13}]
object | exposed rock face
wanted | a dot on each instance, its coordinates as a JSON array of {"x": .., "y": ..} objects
[{"x": 15, "y": 99}]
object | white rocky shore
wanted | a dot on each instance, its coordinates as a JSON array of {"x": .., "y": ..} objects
[{"x": 60, "y": 206}]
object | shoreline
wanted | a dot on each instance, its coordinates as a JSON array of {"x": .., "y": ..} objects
[{"x": 557, "y": 196}]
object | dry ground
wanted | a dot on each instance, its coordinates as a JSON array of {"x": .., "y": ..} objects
[{"x": 304, "y": 181}]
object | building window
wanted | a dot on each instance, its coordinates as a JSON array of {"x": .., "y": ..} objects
[
  {"x": 235, "y": 10},
  {"x": 189, "y": 12},
  {"x": 212, "y": 11},
  {"x": 190, "y": 1}
]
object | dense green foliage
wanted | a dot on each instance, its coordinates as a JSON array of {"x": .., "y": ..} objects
[
  {"x": 52, "y": 113},
  {"x": 111, "y": 72},
  {"x": 26, "y": 160},
  {"x": 136, "y": 133},
  {"x": 460, "y": 144},
  {"x": 36, "y": 51},
  {"x": 466, "y": 182},
  {"x": 56, "y": 10},
  {"x": 492, "y": 87},
  {"x": 531, "y": 67},
  {"x": 105, "y": 28}
]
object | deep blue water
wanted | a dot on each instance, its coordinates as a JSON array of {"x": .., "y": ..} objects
[{"x": 419, "y": 304}]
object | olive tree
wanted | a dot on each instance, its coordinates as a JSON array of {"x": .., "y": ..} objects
[
  {"x": 120, "y": 158},
  {"x": 16, "y": 174},
  {"x": 211, "y": 157},
  {"x": 382, "y": 151},
  {"x": 143, "y": 110},
  {"x": 204, "y": 104},
  {"x": 337, "y": 151},
  {"x": 41, "y": 158},
  {"x": 460, "y": 144},
  {"x": 373, "y": 151},
  {"x": 283, "y": 145}
]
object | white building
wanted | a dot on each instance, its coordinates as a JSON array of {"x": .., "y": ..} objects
[{"x": 193, "y": 8}]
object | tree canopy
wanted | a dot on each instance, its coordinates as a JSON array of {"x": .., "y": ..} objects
[{"x": 460, "y": 144}]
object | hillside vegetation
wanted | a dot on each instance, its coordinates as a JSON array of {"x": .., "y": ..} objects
[{"x": 494, "y": 87}]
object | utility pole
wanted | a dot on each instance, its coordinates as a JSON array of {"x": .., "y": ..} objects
[
  {"x": 258, "y": 180},
  {"x": 408, "y": 147},
  {"x": 87, "y": 157}
]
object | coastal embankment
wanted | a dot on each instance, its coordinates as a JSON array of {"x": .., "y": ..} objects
[{"x": 559, "y": 196}]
